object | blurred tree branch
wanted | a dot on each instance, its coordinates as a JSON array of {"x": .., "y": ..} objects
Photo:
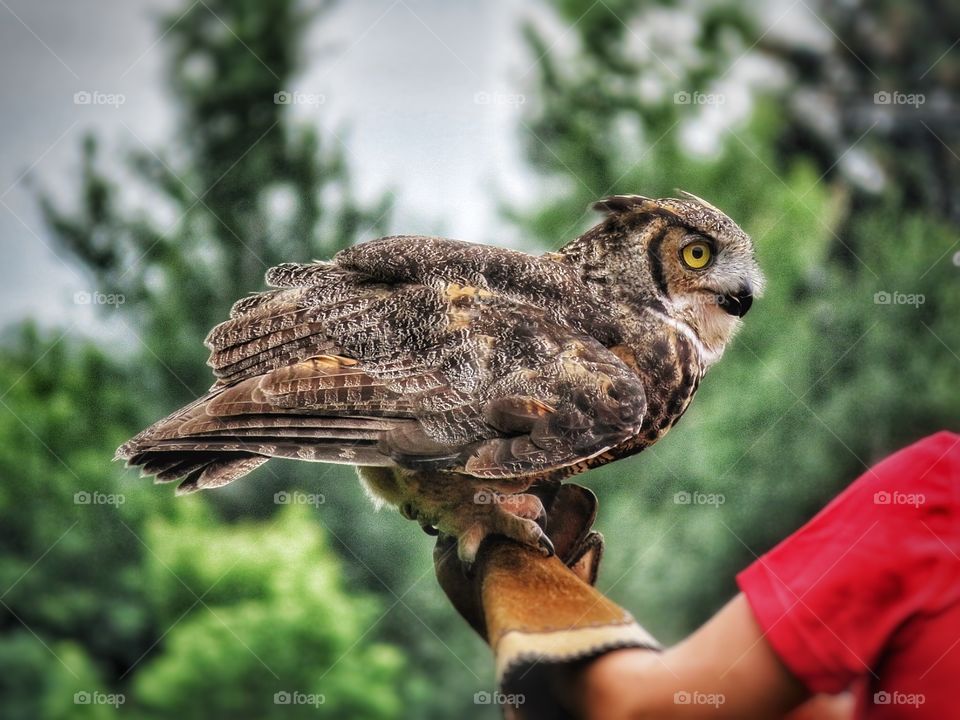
[{"x": 242, "y": 185}]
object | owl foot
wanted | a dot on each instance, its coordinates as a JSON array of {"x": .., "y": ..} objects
[{"x": 513, "y": 516}]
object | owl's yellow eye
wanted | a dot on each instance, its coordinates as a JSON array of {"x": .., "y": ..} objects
[{"x": 697, "y": 255}]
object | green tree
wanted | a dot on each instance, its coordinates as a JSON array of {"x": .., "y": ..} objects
[
  {"x": 242, "y": 187},
  {"x": 274, "y": 631},
  {"x": 247, "y": 187},
  {"x": 101, "y": 576}
]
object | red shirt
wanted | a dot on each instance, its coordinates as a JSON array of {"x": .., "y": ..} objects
[{"x": 867, "y": 594}]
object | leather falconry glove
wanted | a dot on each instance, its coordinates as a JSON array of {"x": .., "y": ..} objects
[{"x": 539, "y": 614}]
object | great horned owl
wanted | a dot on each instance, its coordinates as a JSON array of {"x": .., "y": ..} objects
[{"x": 456, "y": 375}]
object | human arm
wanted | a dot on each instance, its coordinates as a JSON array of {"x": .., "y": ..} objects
[
  {"x": 870, "y": 582},
  {"x": 554, "y": 635},
  {"x": 723, "y": 670}
]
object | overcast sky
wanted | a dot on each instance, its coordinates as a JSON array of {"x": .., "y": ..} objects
[{"x": 403, "y": 76}]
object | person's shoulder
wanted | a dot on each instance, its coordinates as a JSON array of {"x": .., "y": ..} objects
[
  {"x": 943, "y": 444},
  {"x": 925, "y": 474},
  {"x": 933, "y": 460}
]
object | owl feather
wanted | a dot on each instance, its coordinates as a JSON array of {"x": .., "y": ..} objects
[{"x": 469, "y": 364}]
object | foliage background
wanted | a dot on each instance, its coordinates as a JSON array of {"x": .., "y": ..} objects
[{"x": 208, "y": 606}]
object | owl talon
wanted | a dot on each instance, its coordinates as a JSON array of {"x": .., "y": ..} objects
[
  {"x": 512, "y": 516},
  {"x": 476, "y": 515},
  {"x": 546, "y": 546}
]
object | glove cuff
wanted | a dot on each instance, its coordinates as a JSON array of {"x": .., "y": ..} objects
[
  {"x": 539, "y": 612},
  {"x": 518, "y": 651}
]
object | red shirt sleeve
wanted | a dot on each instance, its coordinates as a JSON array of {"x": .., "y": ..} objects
[{"x": 830, "y": 597}]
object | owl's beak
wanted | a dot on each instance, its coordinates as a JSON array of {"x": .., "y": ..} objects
[{"x": 739, "y": 302}]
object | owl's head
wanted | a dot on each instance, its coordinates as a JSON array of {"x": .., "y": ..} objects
[{"x": 681, "y": 257}]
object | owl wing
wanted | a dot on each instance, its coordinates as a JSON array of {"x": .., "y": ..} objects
[{"x": 398, "y": 364}]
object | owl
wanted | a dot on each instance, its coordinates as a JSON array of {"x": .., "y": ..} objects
[{"x": 456, "y": 375}]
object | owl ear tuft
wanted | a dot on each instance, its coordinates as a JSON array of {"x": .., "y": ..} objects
[
  {"x": 617, "y": 204},
  {"x": 699, "y": 201}
]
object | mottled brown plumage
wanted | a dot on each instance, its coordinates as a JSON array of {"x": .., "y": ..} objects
[{"x": 444, "y": 369}]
